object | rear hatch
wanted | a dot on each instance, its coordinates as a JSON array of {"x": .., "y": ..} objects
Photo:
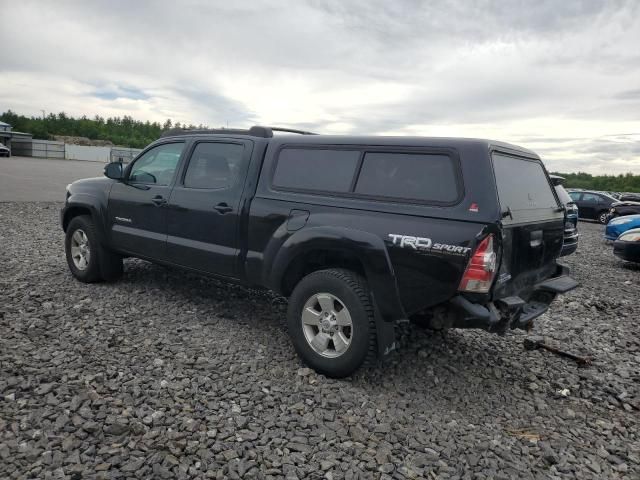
[{"x": 533, "y": 224}]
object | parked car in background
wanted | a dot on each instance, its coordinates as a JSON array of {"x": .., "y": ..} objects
[
  {"x": 619, "y": 225},
  {"x": 629, "y": 197},
  {"x": 4, "y": 151},
  {"x": 593, "y": 205},
  {"x": 627, "y": 246},
  {"x": 570, "y": 241},
  {"x": 615, "y": 195},
  {"x": 620, "y": 209}
]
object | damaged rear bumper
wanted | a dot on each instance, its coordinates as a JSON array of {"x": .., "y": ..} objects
[{"x": 510, "y": 312}]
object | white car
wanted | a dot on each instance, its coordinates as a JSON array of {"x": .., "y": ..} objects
[{"x": 4, "y": 151}]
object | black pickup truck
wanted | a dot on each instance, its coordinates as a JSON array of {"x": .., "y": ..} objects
[{"x": 358, "y": 232}]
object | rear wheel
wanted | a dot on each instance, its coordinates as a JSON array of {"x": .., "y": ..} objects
[
  {"x": 88, "y": 260},
  {"x": 331, "y": 323}
]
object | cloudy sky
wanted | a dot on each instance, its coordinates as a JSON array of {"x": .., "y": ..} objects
[{"x": 560, "y": 77}]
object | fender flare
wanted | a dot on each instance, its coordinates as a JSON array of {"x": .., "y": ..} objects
[
  {"x": 369, "y": 249},
  {"x": 91, "y": 203}
]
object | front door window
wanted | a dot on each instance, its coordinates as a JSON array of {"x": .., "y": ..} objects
[{"x": 156, "y": 166}]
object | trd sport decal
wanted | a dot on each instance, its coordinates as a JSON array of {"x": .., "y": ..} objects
[{"x": 424, "y": 244}]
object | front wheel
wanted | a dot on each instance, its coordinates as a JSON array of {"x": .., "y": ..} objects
[
  {"x": 88, "y": 260},
  {"x": 331, "y": 322},
  {"x": 603, "y": 217}
]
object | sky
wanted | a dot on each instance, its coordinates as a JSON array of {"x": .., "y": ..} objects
[{"x": 559, "y": 77}]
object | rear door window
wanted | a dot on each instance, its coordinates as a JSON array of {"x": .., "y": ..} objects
[
  {"x": 523, "y": 189},
  {"x": 215, "y": 166},
  {"x": 413, "y": 176},
  {"x": 590, "y": 198},
  {"x": 575, "y": 196},
  {"x": 316, "y": 169}
]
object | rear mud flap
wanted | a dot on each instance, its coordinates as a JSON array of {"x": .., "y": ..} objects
[{"x": 385, "y": 334}]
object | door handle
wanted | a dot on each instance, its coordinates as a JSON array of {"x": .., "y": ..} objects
[
  {"x": 158, "y": 200},
  {"x": 223, "y": 208}
]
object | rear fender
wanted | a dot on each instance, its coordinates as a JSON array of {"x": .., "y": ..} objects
[{"x": 371, "y": 252}]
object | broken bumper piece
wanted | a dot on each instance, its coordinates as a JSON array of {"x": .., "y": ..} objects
[{"x": 510, "y": 312}]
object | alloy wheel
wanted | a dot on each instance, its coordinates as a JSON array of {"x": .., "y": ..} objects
[
  {"x": 327, "y": 325},
  {"x": 80, "y": 249}
]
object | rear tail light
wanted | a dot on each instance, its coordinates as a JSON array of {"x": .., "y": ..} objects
[{"x": 481, "y": 268}]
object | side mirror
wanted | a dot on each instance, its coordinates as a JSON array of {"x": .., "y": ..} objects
[{"x": 114, "y": 171}]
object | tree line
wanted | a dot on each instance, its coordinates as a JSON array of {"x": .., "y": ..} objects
[
  {"x": 127, "y": 132},
  {"x": 121, "y": 131},
  {"x": 626, "y": 182}
]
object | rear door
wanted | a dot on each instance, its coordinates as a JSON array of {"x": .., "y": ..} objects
[
  {"x": 533, "y": 223},
  {"x": 137, "y": 213},
  {"x": 590, "y": 204},
  {"x": 204, "y": 209},
  {"x": 577, "y": 199}
]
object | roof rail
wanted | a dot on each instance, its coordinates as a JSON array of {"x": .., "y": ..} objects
[
  {"x": 290, "y": 130},
  {"x": 255, "y": 131}
]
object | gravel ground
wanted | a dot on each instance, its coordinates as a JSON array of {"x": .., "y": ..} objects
[{"x": 166, "y": 374}]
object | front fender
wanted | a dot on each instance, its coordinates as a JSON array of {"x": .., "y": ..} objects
[{"x": 77, "y": 202}]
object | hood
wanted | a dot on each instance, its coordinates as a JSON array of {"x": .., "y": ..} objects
[
  {"x": 626, "y": 219},
  {"x": 90, "y": 184},
  {"x": 619, "y": 225},
  {"x": 625, "y": 203}
]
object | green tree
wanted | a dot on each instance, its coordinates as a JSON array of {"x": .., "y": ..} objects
[
  {"x": 123, "y": 131},
  {"x": 627, "y": 182}
]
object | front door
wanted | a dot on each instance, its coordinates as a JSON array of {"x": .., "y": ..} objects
[
  {"x": 204, "y": 208},
  {"x": 137, "y": 212}
]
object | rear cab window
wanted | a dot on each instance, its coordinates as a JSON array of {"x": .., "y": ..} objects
[
  {"x": 396, "y": 176},
  {"x": 315, "y": 169},
  {"x": 524, "y": 190},
  {"x": 413, "y": 176}
]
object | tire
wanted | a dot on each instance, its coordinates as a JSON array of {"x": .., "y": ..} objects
[
  {"x": 338, "y": 290},
  {"x": 603, "y": 217},
  {"x": 88, "y": 260}
]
